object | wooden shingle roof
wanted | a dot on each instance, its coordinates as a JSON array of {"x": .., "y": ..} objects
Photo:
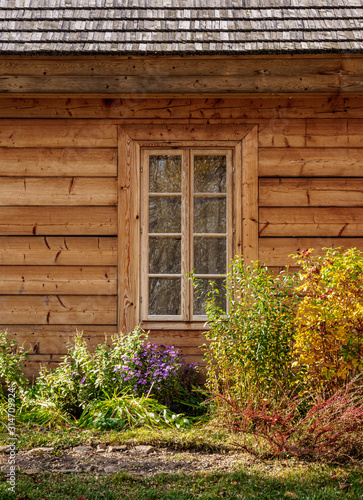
[{"x": 180, "y": 26}]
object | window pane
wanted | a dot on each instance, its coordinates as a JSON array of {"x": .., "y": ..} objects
[
  {"x": 201, "y": 294},
  {"x": 210, "y": 255},
  {"x": 164, "y": 296},
  {"x": 165, "y": 174},
  {"x": 164, "y": 215},
  {"x": 209, "y": 215},
  {"x": 164, "y": 255},
  {"x": 210, "y": 174}
]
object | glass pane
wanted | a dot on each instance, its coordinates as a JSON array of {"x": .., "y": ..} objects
[
  {"x": 201, "y": 294},
  {"x": 164, "y": 255},
  {"x": 210, "y": 255},
  {"x": 164, "y": 296},
  {"x": 210, "y": 215},
  {"x": 165, "y": 174},
  {"x": 164, "y": 215},
  {"x": 210, "y": 174}
]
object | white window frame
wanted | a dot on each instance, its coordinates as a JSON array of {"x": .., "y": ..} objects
[
  {"x": 242, "y": 139},
  {"x": 187, "y": 236}
]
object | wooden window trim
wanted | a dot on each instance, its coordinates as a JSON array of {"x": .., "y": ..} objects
[{"x": 131, "y": 138}]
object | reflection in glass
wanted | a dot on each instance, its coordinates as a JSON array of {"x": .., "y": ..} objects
[
  {"x": 210, "y": 255},
  {"x": 165, "y": 174},
  {"x": 210, "y": 215},
  {"x": 210, "y": 174},
  {"x": 164, "y": 215},
  {"x": 164, "y": 255},
  {"x": 201, "y": 294},
  {"x": 164, "y": 296}
]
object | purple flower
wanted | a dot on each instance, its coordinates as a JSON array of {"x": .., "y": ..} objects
[
  {"x": 74, "y": 374},
  {"x": 83, "y": 380}
]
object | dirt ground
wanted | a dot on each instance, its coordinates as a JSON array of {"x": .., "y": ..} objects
[{"x": 140, "y": 460}]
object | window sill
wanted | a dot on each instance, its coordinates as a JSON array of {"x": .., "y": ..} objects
[{"x": 174, "y": 325}]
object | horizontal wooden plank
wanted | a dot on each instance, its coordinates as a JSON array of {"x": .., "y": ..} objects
[
  {"x": 178, "y": 66},
  {"x": 57, "y": 309},
  {"x": 177, "y": 84},
  {"x": 63, "y": 280},
  {"x": 237, "y": 108},
  {"x": 310, "y": 162},
  {"x": 311, "y": 192},
  {"x": 311, "y": 222},
  {"x": 60, "y": 251},
  {"x": 68, "y": 162},
  {"x": 259, "y": 108},
  {"x": 58, "y": 191},
  {"x": 53, "y": 339},
  {"x": 268, "y": 140},
  {"x": 311, "y": 133},
  {"x": 57, "y": 134},
  {"x": 277, "y": 251},
  {"x": 110, "y": 108},
  {"x": 58, "y": 221}
]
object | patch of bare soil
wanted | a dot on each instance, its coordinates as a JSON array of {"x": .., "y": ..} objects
[{"x": 140, "y": 460}]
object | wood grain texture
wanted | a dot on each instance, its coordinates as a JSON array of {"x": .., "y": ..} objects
[
  {"x": 250, "y": 196},
  {"x": 63, "y": 280},
  {"x": 311, "y": 222},
  {"x": 167, "y": 133},
  {"x": 58, "y": 221},
  {"x": 179, "y": 84},
  {"x": 45, "y": 66},
  {"x": 70, "y": 191},
  {"x": 310, "y": 162},
  {"x": 54, "y": 162},
  {"x": 57, "y": 134},
  {"x": 58, "y": 250},
  {"x": 278, "y": 251},
  {"x": 311, "y": 133},
  {"x": 52, "y": 339},
  {"x": 337, "y": 192},
  {"x": 128, "y": 233},
  {"x": 241, "y": 108},
  {"x": 58, "y": 309}
]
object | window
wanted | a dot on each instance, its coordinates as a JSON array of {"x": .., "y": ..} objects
[
  {"x": 187, "y": 198},
  {"x": 186, "y": 224}
]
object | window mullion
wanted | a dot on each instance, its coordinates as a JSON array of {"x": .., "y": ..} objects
[{"x": 185, "y": 237}]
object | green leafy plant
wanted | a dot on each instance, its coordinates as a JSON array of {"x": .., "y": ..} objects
[
  {"x": 128, "y": 364},
  {"x": 329, "y": 321},
  {"x": 12, "y": 357},
  {"x": 250, "y": 346},
  {"x": 123, "y": 411}
]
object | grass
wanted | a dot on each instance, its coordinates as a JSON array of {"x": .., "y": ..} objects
[
  {"x": 313, "y": 482},
  {"x": 203, "y": 438},
  {"x": 262, "y": 479}
]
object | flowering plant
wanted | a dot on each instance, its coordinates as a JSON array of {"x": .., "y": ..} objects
[{"x": 130, "y": 364}]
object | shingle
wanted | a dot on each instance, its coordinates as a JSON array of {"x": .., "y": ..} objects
[{"x": 180, "y": 26}]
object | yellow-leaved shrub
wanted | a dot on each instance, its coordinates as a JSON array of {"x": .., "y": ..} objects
[{"x": 329, "y": 320}]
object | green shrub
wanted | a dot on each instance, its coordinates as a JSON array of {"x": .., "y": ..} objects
[
  {"x": 12, "y": 358},
  {"x": 250, "y": 350},
  {"x": 329, "y": 321},
  {"x": 82, "y": 375},
  {"x": 130, "y": 365}
]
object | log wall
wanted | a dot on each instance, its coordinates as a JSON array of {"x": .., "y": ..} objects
[{"x": 58, "y": 191}]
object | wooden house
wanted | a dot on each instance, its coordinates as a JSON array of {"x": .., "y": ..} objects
[{"x": 141, "y": 139}]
